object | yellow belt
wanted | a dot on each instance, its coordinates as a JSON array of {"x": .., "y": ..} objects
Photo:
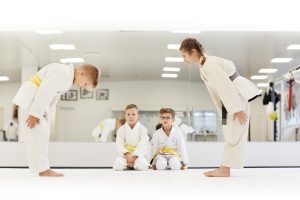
[
  {"x": 36, "y": 80},
  {"x": 130, "y": 148},
  {"x": 169, "y": 150},
  {"x": 101, "y": 125}
]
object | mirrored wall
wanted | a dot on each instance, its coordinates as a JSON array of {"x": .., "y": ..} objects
[{"x": 145, "y": 68}]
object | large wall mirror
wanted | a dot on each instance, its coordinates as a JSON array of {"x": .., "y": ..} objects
[{"x": 145, "y": 68}]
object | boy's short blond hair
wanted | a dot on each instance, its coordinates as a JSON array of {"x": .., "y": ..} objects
[
  {"x": 93, "y": 72},
  {"x": 131, "y": 106}
]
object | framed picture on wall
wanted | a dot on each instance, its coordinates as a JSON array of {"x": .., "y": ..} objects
[
  {"x": 71, "y": 95},
  {"x": 86, "y": 94},
  {"x": 102, "y": 94}
]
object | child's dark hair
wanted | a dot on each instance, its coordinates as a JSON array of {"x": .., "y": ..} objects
[
  {"x": 191, "y": 43},
  {"x": 167, "y": 110}
]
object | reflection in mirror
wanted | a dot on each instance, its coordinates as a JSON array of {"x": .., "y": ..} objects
[{"x": 146, "y": 68}]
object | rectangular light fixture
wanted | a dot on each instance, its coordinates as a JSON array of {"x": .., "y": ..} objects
[
  {"x": 281, "y": 60},
  {"x": 173, "y": 46},
  {"x": 259, "y": 77},
  {"x": 72, "y": 60},
  {"x": 190, "y": 32},
  {"x": 293, "y": 47},
  {"x": 173, "y": 59},
  {"x": 62, "y": 46},
  {"x": 171, "y": 69},
  {"x": 4, "y": 78},
  {"x": 267, "y": 71},
  {"x": 49, "y": 32},
  {"x": 262, "y": 84},
  {"x": 169, "y": 75}
]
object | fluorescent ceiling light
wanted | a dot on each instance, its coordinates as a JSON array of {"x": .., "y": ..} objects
[
  {"x": 171, "y": 69},
  {"x": 72, "y": 60},
  {"x": 4, "y": 78},
  {"x": 173, "y": 46},
  {"x": 262, "y": 84},
  {"x": 267, "y": 71},
  {"x": 190, "y": 32},
  {"x": 49, "y": 32},
  {"x": 259, "y": 77},
  {"x": 293, "y": 47},
  {"x": 173, "y": 59},
  {"x": 169, "y": 75},
  {"x": 62, "y": 46},
  {"x": 281, "y": 60}
]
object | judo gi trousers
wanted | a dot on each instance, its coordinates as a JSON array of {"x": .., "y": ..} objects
[
  {"x": 140, "y": 164},
  {"x": 36, "y": 143},
  {"x": 235, "y": 136},
  {"x": 164, "y": 162}
]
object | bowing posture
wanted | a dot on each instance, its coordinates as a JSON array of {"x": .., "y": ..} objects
[
  {"x": 231, "y": 94},
  {"x": 36, "y": 97}
]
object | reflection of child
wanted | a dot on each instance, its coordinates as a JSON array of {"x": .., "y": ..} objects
[
  {"x": 132, "y": 142},
  {"x": 168, "y": 145},
  {"x": 11, "y": 127},
  {"x": 106, "y": 127},
  {"x": 158, "y": 126}
]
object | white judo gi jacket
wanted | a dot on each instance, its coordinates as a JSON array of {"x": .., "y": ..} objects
[
  {"x": 215, "y": 73},
  {"x": 163, "y": 144},
  {"x": 103, "y": 129},
  {"x": 135, "y": 141},
  {"x": 44, "y": 88}
]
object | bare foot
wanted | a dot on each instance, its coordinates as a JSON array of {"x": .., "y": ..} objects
[
  {"x": 51, "y": 173},
  {"x": 220, "y": 172}
]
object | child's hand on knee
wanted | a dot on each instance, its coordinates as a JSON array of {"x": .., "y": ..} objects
[{"x": 129, "y": 157}]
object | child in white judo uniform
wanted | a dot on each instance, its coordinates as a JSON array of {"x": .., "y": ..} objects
[
  {"x": 231, "y": 94},
  {"x": 36, "y": 96},
  {"x": 106, "y": 127},
  {"x": 132, "y": 143},
  {"x": 167, "y": 145}
]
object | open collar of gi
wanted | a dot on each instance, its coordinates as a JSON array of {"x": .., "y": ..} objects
[
  {"x": 171, "y": 132},
  {"x": 135, "y": 128}
]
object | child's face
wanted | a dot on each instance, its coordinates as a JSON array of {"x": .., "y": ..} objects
[
  {"x": 83, "y": 80},
  {"x": 166, "y": 119},
  {"x": 189, "y": 58},
  {"x": 131, "y": 116}
]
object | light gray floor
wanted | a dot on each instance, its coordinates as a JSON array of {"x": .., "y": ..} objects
[{"x": 259, "y": 183}]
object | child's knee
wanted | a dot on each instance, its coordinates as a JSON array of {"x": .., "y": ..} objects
[
  {"x": 119, "y": 164},
  {"x": 174, "y": 164},
  {"x": 161, "y": 164},
  {"x": 141, "y": 164}
]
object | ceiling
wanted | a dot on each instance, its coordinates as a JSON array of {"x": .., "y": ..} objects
[{"x": 139, "y": 55}]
